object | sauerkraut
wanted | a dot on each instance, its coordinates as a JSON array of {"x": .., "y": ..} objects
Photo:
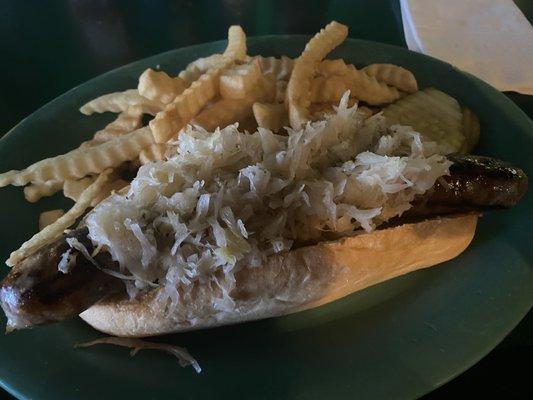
[{"x": 226, "y": 200}]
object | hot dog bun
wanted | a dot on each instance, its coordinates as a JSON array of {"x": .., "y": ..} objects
[{"x": 300, "y": 279}]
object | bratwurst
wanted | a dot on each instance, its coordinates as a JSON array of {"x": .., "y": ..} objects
[{"x": 36, "y": 292}]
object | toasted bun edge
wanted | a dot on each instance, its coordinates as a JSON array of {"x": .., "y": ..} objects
[{"x": 298, "y": 280}]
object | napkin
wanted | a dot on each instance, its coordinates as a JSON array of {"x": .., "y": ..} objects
[{"x": 491, "y": 39}]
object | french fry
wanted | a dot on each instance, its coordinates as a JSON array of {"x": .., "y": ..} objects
[
  {"x": 223, "y": 112},
  {"x": 81, "y": 162},
  {"x": 328, "y": 90},
  {"x": 471, "y": 130},
  {"x": 299, "y": 87},
  {"x": 338, "y": 77},
  {"x": 155, "y": 152},
  {"x": 393, "y": 75},
  {"x": 236, "y": 48},
  {"x": 319, "y": 110},
  {"x": 332, "y": 67},
  {"x": 49, "y": 217},
  {"x": 271, "y": 116},
  {"x": 368, "y": 89},
  {"x": 432, "y": 113},
  {"x": 36, "y": 191},
  {"x": 186, "y": 106},
  {"x": 266, "y": 90},
  {"x": 126, "y": 122},
  {"x": 158, "y": 86},
  {"x": 52, "y": 232},
  {"x": 362, "y": 86},
  {"x": 281, "y": 68},
  {"x": 281, "y": 90},
  {"x": 89, "y": 143},
  {"x": 239, "y": 81},
  {"x": 177, "y": 114},
  {"x": 387, "y": 74},
  {"x": 73, "y": 188},
  {"x": 227, "y": 111},
  {"x": 197, "y": 68},
  {"x": 121, "y": 101}
]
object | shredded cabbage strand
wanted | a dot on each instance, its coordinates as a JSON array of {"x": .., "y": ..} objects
[{"x": 226, "y": 200}]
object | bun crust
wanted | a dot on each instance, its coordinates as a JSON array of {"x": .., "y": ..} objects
[{"x": 300, "y": 279}]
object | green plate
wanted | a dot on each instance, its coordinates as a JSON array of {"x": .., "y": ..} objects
[{"x": 400, "y": 339}]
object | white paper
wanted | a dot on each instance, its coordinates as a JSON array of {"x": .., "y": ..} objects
[{"x": 491, "y": 39}]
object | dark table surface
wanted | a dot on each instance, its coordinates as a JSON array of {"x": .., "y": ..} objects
[{"x": 49, "y": 47}]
